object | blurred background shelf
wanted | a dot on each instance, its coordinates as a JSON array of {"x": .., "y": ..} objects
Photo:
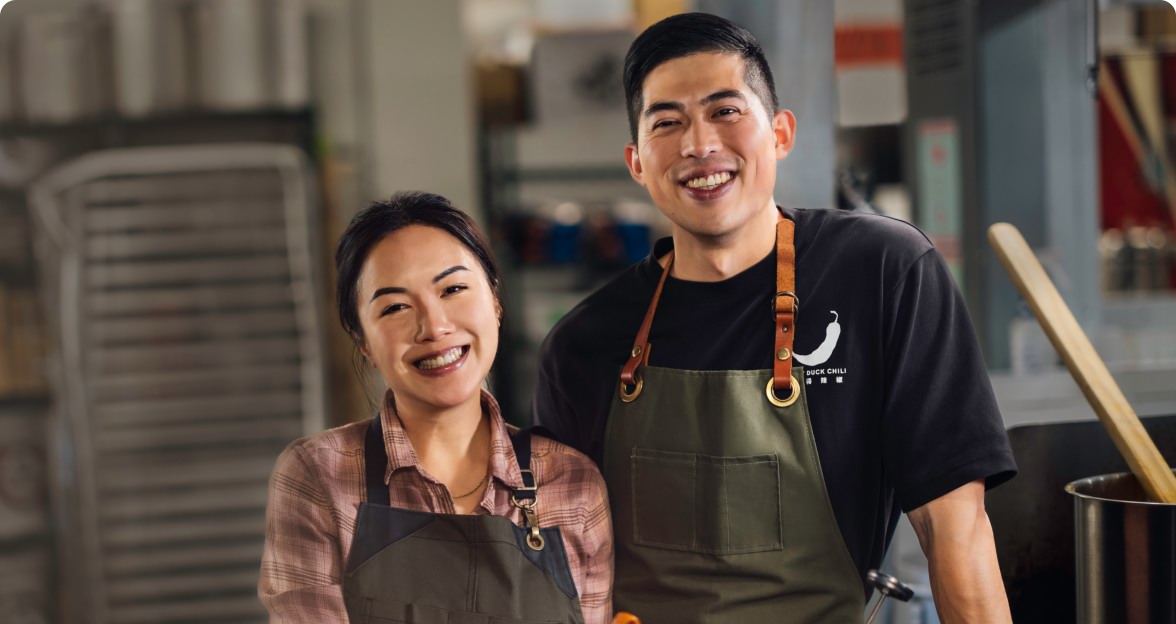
[
  {"x": 220, "y": 123},
  {"x": 563, "y": 222}
]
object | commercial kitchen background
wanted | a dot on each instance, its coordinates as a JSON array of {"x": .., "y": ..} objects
[{"x": 174, "y": 173}]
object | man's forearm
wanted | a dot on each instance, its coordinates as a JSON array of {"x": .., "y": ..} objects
[{"x": 956, "y": 536}]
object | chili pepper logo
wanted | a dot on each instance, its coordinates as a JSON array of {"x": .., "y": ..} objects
[{"x": 825, "y": 351}]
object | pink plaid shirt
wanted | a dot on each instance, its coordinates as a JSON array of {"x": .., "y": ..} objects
[{"x": 318, "y": 484}]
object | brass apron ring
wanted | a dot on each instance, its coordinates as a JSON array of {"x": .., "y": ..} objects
[
  {"x": 629, "y": 397},
  {"x": 785, "y": 402},
  {"x": 534, "y": 539}
]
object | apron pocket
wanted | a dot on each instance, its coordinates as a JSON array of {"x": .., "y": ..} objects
[
  {"x": 706, "y": 504},
  {"x": 392, "y": 612}
]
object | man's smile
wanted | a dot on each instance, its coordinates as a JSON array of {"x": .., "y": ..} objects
[{"x": 709, "y": 182}]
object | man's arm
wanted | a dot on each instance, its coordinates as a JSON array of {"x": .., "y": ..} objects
[{"x": 957, "y": 538}]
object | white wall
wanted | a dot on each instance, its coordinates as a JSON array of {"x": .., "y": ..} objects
[{"x": 417, "y": 102}]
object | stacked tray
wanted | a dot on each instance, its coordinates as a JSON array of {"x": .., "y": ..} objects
[{"x": 184, "y": 299}]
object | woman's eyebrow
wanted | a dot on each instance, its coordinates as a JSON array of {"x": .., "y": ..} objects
[
  {"x": 447, "y": 272},
  {"x": 400, "y": 290},
  {"x": 388, "y": 290}
]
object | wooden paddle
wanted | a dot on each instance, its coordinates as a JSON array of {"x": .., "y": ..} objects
[{"x": 1084, "y": 363}]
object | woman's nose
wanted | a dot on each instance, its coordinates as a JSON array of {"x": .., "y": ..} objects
[{"x": 433, "y": 322}]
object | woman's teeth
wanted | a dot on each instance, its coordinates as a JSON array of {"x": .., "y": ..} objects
[
  {"x": 448, "y": 357},
  {"x": 709, "y": 182}
]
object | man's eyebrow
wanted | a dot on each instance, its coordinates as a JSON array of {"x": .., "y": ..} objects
[
  {"x": 722, "y": 95},
  {"x": 658, "y": 107}
]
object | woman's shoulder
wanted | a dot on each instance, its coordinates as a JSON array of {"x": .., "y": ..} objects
[
  {"x": 345, "y": 440},
  {"x": 560, "y": 464}
]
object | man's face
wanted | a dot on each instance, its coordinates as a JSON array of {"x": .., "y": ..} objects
[{"x": 706, "y": 146}]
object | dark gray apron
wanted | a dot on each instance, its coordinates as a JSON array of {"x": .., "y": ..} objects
[
  {"x": 720, "y": 513},
  {"x": 428, "y": 568}
]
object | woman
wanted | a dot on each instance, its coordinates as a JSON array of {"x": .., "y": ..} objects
[{"x": 427, "y": 513}]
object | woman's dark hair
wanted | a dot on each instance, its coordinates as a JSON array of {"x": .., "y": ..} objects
[
  {"x": 694, "y": 33},
  {"x": 380, "y": 219}
]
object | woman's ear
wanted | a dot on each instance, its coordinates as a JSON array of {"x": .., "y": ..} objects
[{"x": 363, "y": 349}]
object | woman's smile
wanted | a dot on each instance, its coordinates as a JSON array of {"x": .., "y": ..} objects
[{"x": 444, "y": 362}]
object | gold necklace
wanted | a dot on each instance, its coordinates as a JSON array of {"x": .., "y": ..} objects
[{"x": 481, "y": 482}]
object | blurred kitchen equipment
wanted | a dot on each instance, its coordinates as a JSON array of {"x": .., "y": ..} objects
[
  {"x": 1125, "y": 545},
  {"x": 152, "y": 46},
  {"x": 8, "y": 73},
  {"x": 62, "y": 69},
  {"x": 231, "y": 72},
  {"x": 1084, "y": 363},
  {"x": 134, "y": 56},
  {"x": 1033, "y": 517},
  {"x": 1114, "y": 255},
  {"x": 63, "y": 61},
  {"x": 887, "y": 587},
  {"x": 182, "y": 289},
  {"x": 24, "y": 591},
  {"x": 289, "y": 54},
  {"x": 1126, "y": 552},
  {"x": 23, "y": 159}
]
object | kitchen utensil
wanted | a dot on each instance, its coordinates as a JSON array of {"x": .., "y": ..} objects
[
  {"x": 888, "y": 587},
  {"x": 1084, "y": 363}
]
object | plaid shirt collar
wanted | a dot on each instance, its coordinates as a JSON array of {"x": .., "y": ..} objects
[{"x": 504, "y": 467}]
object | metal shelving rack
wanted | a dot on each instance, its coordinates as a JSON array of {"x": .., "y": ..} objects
[
  {"x": 181, "y": 283},
  {"x": 38, "y": 585},
  {"x": 529, "y": 289}
]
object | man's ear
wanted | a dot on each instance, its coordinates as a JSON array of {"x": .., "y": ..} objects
[
  {"x": 633, "y": 161},
  {"x": 784, "y": 127}
]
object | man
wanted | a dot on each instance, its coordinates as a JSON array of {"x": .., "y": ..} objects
[{"x": 750, "y": 483}]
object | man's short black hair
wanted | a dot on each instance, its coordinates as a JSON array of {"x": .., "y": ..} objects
[{"x": 694, "y": 33}]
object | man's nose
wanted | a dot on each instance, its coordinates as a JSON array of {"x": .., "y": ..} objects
[{"x": 700, "y": 140}]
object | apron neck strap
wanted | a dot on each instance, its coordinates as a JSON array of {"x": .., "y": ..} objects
[
  {"x": 640, "y": 354},
  {"x": 785, "y": 306},
  {"x": 376, "y": 464},
  {"x": 521, "y": 441}
]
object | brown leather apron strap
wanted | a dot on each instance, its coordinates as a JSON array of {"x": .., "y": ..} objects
[
  {"x": 631, "y": 383},
  {"x": 785, "y": 305}
]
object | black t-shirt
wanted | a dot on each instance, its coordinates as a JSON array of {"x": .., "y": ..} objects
[{"x": 900, "y": 401}]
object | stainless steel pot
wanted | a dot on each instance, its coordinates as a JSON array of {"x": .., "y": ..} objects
[{"x": 1125, "y": 548}]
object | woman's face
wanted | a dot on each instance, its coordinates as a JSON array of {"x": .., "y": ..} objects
[{"x": 429, "y": 316}]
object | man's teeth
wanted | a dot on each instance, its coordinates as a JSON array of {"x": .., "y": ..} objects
[
  {"x": 709, "y": 182},
  {"x": 448, "y": 357}
]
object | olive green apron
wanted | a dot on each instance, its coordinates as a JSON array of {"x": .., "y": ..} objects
[
  {"x": 428, "y": 568},
  {"x": 720, "y": 513}
]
